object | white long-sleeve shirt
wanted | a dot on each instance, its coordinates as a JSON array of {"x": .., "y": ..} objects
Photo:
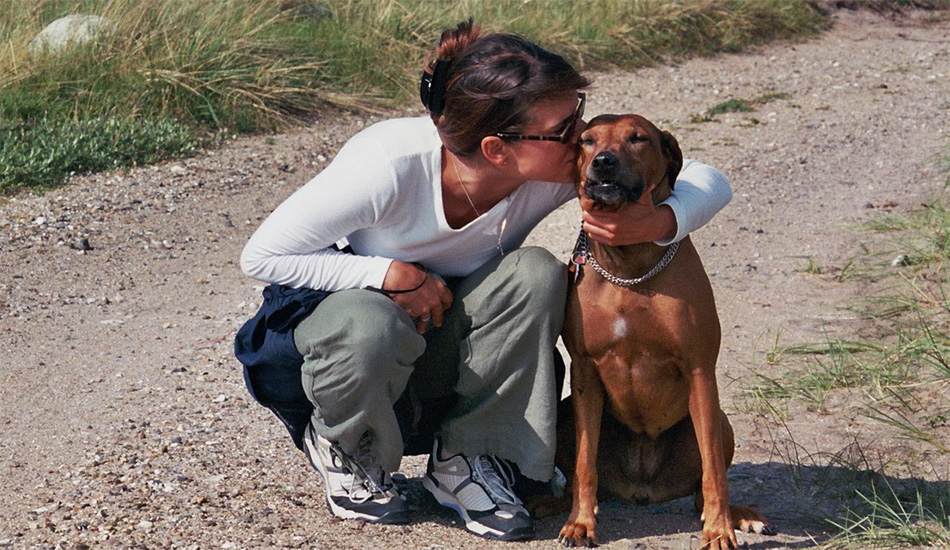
[{"x": 383, "y": 194}]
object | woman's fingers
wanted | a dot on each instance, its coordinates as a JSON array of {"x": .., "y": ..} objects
[{"x": 426, "y": 305}]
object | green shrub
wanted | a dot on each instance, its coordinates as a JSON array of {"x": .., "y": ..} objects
[
  {"x": 45, "y": 152},
  {"x": 248, "y": 65}
]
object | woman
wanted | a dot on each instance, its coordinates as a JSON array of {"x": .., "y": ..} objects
[{"x": 434, "y": 302}]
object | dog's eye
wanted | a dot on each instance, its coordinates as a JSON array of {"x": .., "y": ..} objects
[
  {"x": 636, "y": 138},
  {"x": 585, "y": 142}
]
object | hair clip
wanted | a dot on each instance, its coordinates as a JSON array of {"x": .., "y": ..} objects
[{"x": 432, "y": 87}]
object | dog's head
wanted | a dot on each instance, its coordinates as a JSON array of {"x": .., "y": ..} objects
[{"x": 621, "y": 158}]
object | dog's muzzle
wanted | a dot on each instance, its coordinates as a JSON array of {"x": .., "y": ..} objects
[{"x": 609, "y": 182}]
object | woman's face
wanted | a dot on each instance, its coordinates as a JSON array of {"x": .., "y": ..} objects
[{"x": 550, "y": 160}]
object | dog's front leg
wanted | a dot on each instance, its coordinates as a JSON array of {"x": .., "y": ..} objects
[
  {"x": 587, "y": 393},
  {"x": 718, "y": 533}
]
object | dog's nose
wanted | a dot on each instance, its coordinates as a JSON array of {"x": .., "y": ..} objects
[{"x": 604, "y": 160}]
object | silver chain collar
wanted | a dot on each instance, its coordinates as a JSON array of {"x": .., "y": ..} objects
[{"x": 582, "y": 255}]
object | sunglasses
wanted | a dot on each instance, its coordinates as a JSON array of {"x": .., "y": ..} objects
[{"x": 564, "y": 136}]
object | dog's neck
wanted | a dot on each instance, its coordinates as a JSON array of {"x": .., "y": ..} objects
[{"x": 629, "y": 261}]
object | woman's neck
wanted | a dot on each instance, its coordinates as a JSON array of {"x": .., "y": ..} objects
[{"x": 469, "y": 189}]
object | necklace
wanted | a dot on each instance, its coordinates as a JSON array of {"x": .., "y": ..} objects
[
  {"x": 583, "y": 256},
  {"x": 504, "y": 221},
  {"x": 455, "y": 163}
]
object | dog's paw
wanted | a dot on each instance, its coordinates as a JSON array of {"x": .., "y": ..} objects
[
  {"x": 749, "y": 520},
  {"x": 577, "y": 534},
  {"x": 759, "y": 527}
]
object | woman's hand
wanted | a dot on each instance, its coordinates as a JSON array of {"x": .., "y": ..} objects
[
  {"x": 632, "y": 223},
  {"x": 427, "y": 303}
]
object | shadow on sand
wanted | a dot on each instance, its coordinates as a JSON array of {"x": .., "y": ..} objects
[{"x": 798, "y": 501}]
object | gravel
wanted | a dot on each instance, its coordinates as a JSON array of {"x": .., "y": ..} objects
[{"x": 125, "y": 422}]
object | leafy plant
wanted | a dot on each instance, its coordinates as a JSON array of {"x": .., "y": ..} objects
[{"x": 43, "y": 153}]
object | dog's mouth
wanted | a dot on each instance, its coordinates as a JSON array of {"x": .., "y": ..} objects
[{"x": 609, "y": 193}]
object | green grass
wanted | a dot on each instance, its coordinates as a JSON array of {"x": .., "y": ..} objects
[
  {"x": 810, "y": 267},
  {"x": 833, "y": 365},
  {"x": 249, "y": 65},
  {"x": 883, "y": 518},
  {"x": 738, "y": 105},
  {"x": 731, "y": 106}
]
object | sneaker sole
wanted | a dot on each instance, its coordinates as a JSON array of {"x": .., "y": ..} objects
[
  {"x": 389, "y": 518},
  {"x": 448, "y": 500}
]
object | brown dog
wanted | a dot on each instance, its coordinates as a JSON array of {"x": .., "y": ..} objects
[{"x": 643, "y": 350}]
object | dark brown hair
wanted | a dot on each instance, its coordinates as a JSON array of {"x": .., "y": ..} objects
[{"x": 491, "y": 82}]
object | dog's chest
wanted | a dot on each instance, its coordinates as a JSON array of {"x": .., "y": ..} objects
[
  {"x": 615, "y": 321},
  {"x": 629, "y": 338}
]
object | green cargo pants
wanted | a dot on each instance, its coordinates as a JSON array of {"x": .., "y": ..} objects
[{"x": 494, "y": 352}]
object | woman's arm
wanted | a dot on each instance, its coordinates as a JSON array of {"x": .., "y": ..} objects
[
  {"x": 292, "y": 246},
  {"x": 700, "y": 193}
]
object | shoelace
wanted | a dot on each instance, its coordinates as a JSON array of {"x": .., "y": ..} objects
[
  {"x": 496, "y": 477},
  {"x": 365, "y": 473}
]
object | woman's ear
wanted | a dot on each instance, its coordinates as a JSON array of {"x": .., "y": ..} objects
[{"x": 495, "y": 150}]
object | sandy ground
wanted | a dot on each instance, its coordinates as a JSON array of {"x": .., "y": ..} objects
[{"x": 125, "y": 422}]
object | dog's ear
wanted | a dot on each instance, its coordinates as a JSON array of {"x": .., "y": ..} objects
[
  {"x": 576, "y": 169},
  {"x": 671, "y": 150}
]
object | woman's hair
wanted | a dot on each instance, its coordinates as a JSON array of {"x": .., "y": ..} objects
[{"x": 475, "y": 86}]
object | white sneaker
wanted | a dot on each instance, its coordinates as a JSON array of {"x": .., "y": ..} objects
[
  {"x": 356, "y": 488},
  {"x": 480, "y": 490}
]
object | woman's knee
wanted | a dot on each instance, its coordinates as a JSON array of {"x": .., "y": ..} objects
[
  {"x": 542, "y": 274},
  {"x": 363, "y": 325}
]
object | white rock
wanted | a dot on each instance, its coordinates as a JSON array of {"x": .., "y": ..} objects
[
  {"x": 71, "y": 30},
  {"x": 901, "y": 260}
]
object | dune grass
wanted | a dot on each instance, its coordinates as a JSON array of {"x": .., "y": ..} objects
[
  {"x": 896, "y": 377},
  {"x": 231, "y": 66}
]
